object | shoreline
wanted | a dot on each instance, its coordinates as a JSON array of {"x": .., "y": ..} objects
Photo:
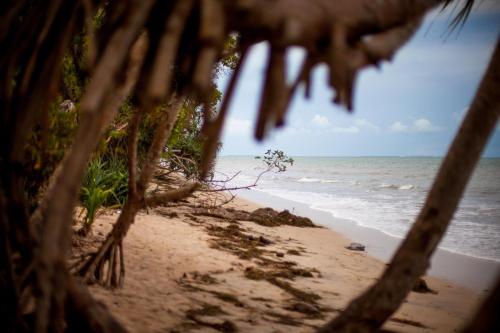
[
  {"x": 455, "y": 267},
  {"x": 194, "y": 272}
]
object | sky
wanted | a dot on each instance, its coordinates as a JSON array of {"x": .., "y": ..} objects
[{"x": 411, "y": 106}]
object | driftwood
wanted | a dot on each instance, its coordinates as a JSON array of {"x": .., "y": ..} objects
[{"x": 166, "y": 197}]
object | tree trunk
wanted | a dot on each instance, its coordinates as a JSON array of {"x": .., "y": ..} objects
[
  {"x": 368, "y": 312},
  {"x": 111, "y": 251},
  {"x": 486, "y": 318},
  {"x": 98, "y": 106},
  {"x": 85, "y": 314},
  {"x": 32, "y": 59}
]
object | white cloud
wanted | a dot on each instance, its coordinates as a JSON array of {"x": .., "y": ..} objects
[
  {"x": 424, "y": 125},
  {"x": 238, "y": 126},
  {"x": 398, "y": 127},
  {"x": 320, "y": 121},
  {"x": 350, "y": 129},
  {"x": 297, "y": 130},
  {"x": 358, "y": 124},
  {"x": 363, "y": 123},
  {"x": 418, "y": 126}
]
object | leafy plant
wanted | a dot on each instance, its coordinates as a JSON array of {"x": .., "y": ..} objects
[
  {"x": 118, "y": 169},
  {"x": 185, "y": 145},
  {"x": 46, "y": 147},
  {"x": 104, "y": 184}
]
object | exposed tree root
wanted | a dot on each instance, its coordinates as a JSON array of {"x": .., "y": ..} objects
[{"x": 107, "y": 266}]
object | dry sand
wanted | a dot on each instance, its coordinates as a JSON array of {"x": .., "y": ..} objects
[{"x": 180, "y": 278}]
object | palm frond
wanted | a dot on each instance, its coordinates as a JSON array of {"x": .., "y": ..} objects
[{"x": 461, "y": 16}]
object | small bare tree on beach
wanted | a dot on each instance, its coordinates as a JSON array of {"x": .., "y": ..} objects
[
  {"x": 274, "y": 161},
  {"x": 160, "y": 53}
]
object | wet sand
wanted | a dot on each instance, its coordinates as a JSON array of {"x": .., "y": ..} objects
[{"x": 471, "y": 272}]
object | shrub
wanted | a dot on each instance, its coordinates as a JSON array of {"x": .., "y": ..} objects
[
  {"x": 105, "y": 184},
  {"x": 275, "y": 160}
]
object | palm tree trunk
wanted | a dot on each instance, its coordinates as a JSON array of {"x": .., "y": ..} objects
[{"x": 368, "y": 312}]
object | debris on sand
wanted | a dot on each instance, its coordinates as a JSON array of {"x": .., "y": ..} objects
[
  {"x": 264, "y": 216},
  {"x": 355, "y": 247}
]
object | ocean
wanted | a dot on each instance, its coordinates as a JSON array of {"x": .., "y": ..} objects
[{"x": 383, "y": 193}]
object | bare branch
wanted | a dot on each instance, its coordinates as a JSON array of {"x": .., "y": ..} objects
[
  {"x": 274, "y": 93},
  {"x": 213, "y": 129},
  {"x": 162, "y": 132},
  {"x": 212, "y": 29},
  {"x": 159, "y": 82}
]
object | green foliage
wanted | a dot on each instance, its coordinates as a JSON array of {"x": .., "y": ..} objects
[
  {"x": 74, "y": 68},
  {"x": 276, "y": 160},
  {"x": 72, "y": 82},
  {"x": 46, "y": 148},
  {"x": 185, "y": 145},
  {"x": 230, "y": 55},
  {"x": 106, "y": 180},
  {"x": 105, "y": 184}
]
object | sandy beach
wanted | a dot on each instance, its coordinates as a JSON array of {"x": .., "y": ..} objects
[
  {"x": 186, "y": 273},
  {"x": 474, "y": 273}
]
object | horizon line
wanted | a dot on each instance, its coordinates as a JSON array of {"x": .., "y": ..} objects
[{"x": 398, "y": 156}]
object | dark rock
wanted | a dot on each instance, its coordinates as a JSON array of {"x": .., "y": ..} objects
[
  {"x": 264, "y": 241},
  {"x": 280, "y": 254},
  {"x": 167, "y": 213},
  {"x": 293, "y": 252},
  {"x": 355, "y": 247},
  {"x": 422, "y": 287},
  {"x": 304, "y": 308}
]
